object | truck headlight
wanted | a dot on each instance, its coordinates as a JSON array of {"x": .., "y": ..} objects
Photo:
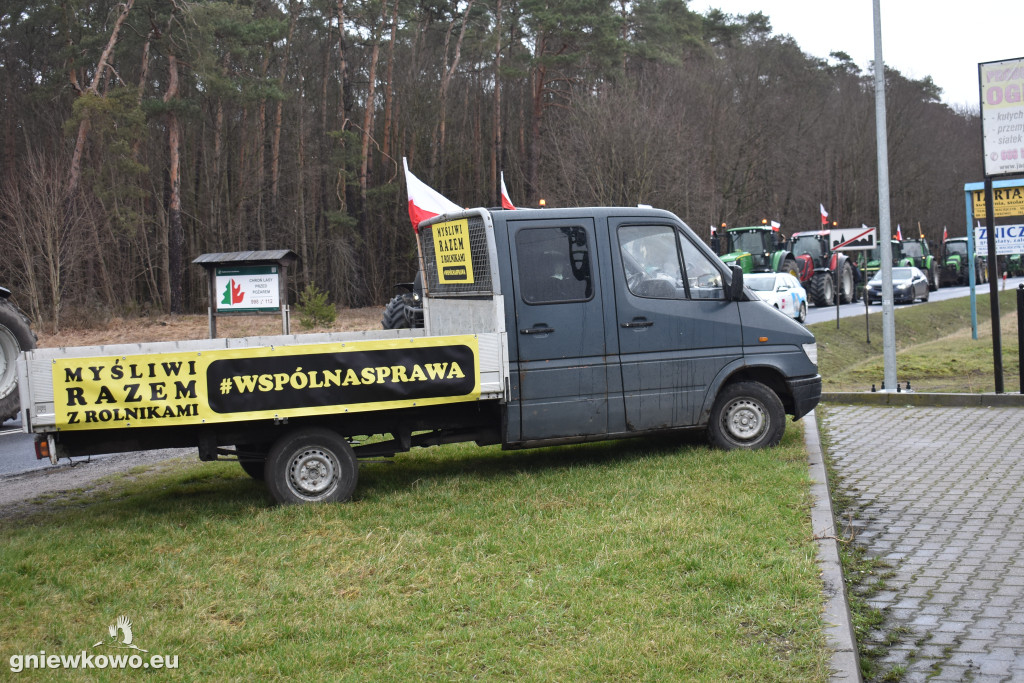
[{"x": 811, "y": 351}]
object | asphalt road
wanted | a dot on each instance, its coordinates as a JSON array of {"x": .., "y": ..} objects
[
  {"x": 818, "y": 315},
  {"x": 17, "y": 453}
]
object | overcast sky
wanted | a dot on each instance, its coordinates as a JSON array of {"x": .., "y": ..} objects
[{"x": 943, "y": 40}]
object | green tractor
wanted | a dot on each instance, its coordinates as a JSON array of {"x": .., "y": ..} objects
[
  {"x": 954, "y": 270},
  {"x": 917, "y": 251},
  {"x": 1014, "y": 265},
  {"x": 758, "y": 249}
]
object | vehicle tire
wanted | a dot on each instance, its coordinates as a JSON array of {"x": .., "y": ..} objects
[
  {"x": 311, "y": 465},
  {"x": 845, "y": 281},
  {"x": 394, "y": 316},
  {"x": 15, "y": 336},
  {"x": 746, "y": 415},
  {"x": 792, "y": 267},
  {"x": 926, "y": 293},
  {"x": 821, "y": 289},
  {"x": 933, "y": 279},
  {"x": 802, "y": 316}
]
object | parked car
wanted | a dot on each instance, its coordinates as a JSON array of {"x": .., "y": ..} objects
[
  {"x": 908, "y": 285},
  {"x": 781, "y": 290}
]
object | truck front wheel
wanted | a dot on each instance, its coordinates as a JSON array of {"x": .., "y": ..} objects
[
  {"x": 311, "y": 466},
  {"x": 746, "y": 415},
  {"x": 821, "y": 290}
]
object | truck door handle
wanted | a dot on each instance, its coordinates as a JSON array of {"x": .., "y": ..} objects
[
  {"x": 540, "y": 328},
  {"x": 638, "y": 322}
]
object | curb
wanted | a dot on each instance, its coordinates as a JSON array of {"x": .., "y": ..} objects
[
  {"x": 845, "y": 662},
  {"x": 911, "y": 398}
]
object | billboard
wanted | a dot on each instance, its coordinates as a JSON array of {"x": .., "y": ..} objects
[{"x": 1002, "y": 116}]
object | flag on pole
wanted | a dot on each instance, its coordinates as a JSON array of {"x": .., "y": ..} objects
[
  {"x": 945, "y": 235},
  {"x": 424, "y": 201},
  {"x": 899, "y": 233},
  {"x": 776, "y": 226},
  {"x": 713, "y": 231},
  {"x": 824, "y": 214},
  {"x": 506, "y": 203}
]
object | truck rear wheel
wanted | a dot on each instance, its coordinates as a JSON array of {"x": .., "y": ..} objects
[
  {"x": 15, "y": 336},
  {"x": 746, "y": 415},
  {"x": 311, "y": 465}
]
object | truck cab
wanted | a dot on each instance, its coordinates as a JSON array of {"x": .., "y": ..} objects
[{"x": 622, "y": 321}]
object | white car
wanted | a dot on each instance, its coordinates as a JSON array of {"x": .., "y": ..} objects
[{"x": 781, "y": 290}]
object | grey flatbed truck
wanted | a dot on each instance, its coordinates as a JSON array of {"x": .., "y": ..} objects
[{"x": 540, "y": 327}]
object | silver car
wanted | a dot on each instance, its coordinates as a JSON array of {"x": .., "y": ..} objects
[{"x": 908, "y": 285}]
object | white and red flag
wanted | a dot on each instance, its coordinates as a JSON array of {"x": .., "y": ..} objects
[
  {"x": 824, "y": 214},
  {"x": 899, "y": 233},
  {"x": 506, "y": 203},
  {"x": 945, "y": 235},
  {"x": 776, "y": 226},
  {"x": 424, "y": 201}
]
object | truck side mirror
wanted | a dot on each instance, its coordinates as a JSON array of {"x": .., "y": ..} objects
[{"x": 736, "y": 285}]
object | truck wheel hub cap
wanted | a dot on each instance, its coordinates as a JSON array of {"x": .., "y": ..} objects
[
  {"x": 745, "y": 419},
  {"x": 312, "y": 472}
]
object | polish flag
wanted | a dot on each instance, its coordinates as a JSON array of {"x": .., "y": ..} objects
[
  {"x": 424, "y": 201},
  {"x": 824, "y": 214},
  {"x": 776, "y": 226},
  {"x": 506, "y": 203},
  {"x": 899, "y": 233},
  {"x": 945, "y": 235},
  {"x": 713, "y": 231}
]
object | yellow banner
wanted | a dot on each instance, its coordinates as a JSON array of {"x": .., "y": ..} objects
[
  {"x": 1006, "y": 201},
  {"x": 451, "y": 250},
  {"x": 231, "y": 385}
]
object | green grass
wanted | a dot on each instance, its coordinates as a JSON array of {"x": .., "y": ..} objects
[
  {"x": 935, "y": 348},
  {"x": 640, "y": 560}
]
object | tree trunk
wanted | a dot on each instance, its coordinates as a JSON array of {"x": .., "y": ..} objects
[
  {"x": 75, "y": 176},
  {"x": 344, "y": 105},
  {"x": 446, "y": 79},
  {"x": 175, "y": 231},
  {"x": 275, "y": 149}
]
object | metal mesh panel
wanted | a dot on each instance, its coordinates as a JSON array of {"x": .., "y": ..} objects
[{"x": 444, "y": 258}]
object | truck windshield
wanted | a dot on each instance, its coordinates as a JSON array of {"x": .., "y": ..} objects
[
  {"x": 750, "y": 241},
  {"x": 808, "y": 244},
  {"x": 959, "y": 248},
  {"x": 913, "y": 249}
]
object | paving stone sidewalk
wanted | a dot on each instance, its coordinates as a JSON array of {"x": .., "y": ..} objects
[{"x": 940, "y": 498}]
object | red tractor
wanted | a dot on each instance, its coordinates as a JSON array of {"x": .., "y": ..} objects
[{"x": 823, "y": 272}]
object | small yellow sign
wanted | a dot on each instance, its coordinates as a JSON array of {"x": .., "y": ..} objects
[
  {"x": 1006, "y": 201},
  {"x": 451, "y": 249}
]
